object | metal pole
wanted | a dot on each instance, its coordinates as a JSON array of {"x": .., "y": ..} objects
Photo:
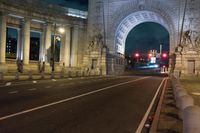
[
  {"x": 183, "y": 22},
  {"x": 53, "y": 50},
  {"x": 160, "y": 49}
]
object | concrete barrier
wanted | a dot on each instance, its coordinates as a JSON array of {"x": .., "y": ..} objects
[
  {"x": 176, "y": 90},
  {"x": 184, "y": 102},
  {"x": 191, "y": 119},
  {"x": 180, "y": 92}
]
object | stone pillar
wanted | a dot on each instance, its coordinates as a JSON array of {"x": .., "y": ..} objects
[
  {"x": 67, "y": 42},
  {"x": 2, "y": 38},
  {"x": 47, "y": 47},
  {"x": 74, "y": 47},
  {"x": 26, "y": 41},
  {"x": 42, "y": 52}
]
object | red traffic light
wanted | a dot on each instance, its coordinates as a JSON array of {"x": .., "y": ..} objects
[
  {"x": 150, "y": 55},
  {"x": 164, "y": 55},
  {"x": 137, "y": 54}
]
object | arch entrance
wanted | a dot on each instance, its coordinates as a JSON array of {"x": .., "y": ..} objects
[{"x": 132, "y": 21}]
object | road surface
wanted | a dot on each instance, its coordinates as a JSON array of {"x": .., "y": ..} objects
[{"x": 114, "y": 104}]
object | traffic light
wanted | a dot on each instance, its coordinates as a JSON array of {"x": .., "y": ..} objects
[
  {"x": 150, "y": 55},
  {"x": 164, "y": 55},
  {"x": 137, "y": 55}
]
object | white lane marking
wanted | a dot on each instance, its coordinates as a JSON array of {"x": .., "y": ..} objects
[
  {"x": 141, "y": 125},
  {"x": 69, "y": 99},
  {"x": 82, "y": 77},
  {"x": 47, "y": 87},
  {"x": 34, "y": 82},
  {"x": 8, "y": 84},
  {"x": 69, "y": 78},
  {"x": 54, "y": 80},
  {"x": 13, "y": 92},
  {"x": 33, "y": 89},
  {"x": 196, "y": 93}
]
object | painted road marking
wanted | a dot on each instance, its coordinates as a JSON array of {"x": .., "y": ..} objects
[
  {"x": 8, "y": 84},
  {"x": 34, "y": 82},
  {"x": 54, "y": 80},
  {"x": 47, "y": 87},
  {"x": 13, "y": 92},
  {"x": 33, "y": 89},
  {"x": 69, "y": 99},
  {"x": 196, "y": 93},
  {"x": 142, "y": 123}
]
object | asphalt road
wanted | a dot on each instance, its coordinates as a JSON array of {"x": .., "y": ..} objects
[{"x": 82, "y": 105}]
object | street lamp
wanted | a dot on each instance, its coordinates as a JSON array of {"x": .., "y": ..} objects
[{"x": 60, "y": 30}]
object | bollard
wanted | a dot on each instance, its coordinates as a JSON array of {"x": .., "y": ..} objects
[
  {"x": 30, "y": 76},
  {"x": 77, "y": 74},
  {"x": 61, "y": 74},
  {"x": 180, "y": 92},
  {"x": 17, "y": 76},
  {"x": 42, "y": 75},
  {"x": 184, "y": 102},
  {"x": 52, "y": 75},
  {"x": 191, "y": 119},
  {"x": 1, "y": 76}
]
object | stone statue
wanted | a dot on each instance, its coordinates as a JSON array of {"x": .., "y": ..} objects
[
  {"x": 96, "y": 42},
  {"x": 197, "y": 41},
  {"x": 187, "y": 41}
]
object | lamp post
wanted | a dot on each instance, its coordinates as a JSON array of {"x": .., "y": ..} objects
[{"x": 60, "y": 30}]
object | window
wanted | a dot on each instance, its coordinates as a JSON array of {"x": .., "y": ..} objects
[
  {"x": 34, "y": 46},
  {"x": 11, "y": 43}
]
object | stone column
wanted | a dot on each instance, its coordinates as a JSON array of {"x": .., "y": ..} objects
[
  {"x": 2, "y": 38},
  {"x": 74, "y": 47},
  {"x": 26, "y": 41},
  {"x": 42, "y": 52},
  {"x": 66, "y": 52},
  {"x": 47, "y": 47}
]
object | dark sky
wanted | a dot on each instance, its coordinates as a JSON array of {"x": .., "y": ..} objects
[
  {"x": 77, "y": 4},
  {"x": 147, "y": 36}
]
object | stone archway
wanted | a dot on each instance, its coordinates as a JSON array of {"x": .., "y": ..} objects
[{"x": 134, "y": 19}]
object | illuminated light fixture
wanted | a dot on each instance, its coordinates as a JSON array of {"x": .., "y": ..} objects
[
  {"x": 39, "y": 21},
  {"x": 61, "y": 30},
  {"x": 16, "y": 16}
]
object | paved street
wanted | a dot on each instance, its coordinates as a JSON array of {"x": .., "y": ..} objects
[{"x": 81, "y": 105}]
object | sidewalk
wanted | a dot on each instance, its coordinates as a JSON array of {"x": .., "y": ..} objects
[{"x": 192, "y": 85}]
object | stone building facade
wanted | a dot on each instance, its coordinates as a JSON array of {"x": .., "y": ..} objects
[
  {"x": 26, "y": 16},
  {"x": 96, "y": 44}
]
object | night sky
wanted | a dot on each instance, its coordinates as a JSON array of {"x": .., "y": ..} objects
[
  {"x": 77, "y": 4},
  {"x": 147, "y": 36}
]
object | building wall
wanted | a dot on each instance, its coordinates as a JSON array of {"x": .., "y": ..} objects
[{"x": 45, "y": 21}]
